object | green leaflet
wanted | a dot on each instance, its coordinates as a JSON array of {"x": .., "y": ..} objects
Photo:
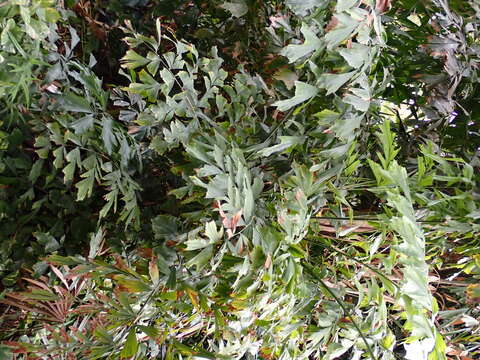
[
  {"x": 131, "y": 345},
  {"x": 333, "y": 82},
  {"x": 286, "y": 142},
  {"x": 238, "y": 9},
  {"x": 346, "y": 25},
  {"x": 303, "y": 92},
  {"x": 311, "y": 43},
  {"x": 302, "y": 7},
  {"x": 357, "y": 55}
]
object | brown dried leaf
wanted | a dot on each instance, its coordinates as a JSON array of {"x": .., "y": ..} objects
[
  {"x": 268, "y": 261},
  {"x": 383, "y": 6},
  {"x": 331, "y": 24}
]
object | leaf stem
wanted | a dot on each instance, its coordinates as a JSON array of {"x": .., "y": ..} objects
[{"x": 311, "y": 270}]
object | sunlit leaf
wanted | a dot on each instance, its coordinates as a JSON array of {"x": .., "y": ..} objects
[{"x": 303, "y": 92}]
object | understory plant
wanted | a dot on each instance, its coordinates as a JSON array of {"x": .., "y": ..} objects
[{"x": 302, "y": 192}]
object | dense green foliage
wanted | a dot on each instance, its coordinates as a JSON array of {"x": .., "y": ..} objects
[{"x": 291, "y": 179}]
